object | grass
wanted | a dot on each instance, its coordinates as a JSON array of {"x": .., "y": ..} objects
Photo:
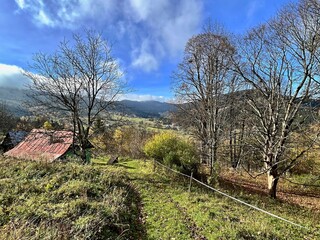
[
  {"x": 66, "y": 201},
  {"x": 171, "y": 212},
  {"x": 290, "y": 189},
  {"x": 131, "y": 201}
]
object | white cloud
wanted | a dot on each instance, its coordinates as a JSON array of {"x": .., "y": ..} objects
[
  {"x": 143, "y": 58},
  {"x": 20, "y": 3},
  {"x": 66, "y": 13},
  {"x": 43, "y": 18},
  {"x": 179, "y": 29},
  {"x": 11, "y": 76},
  {"x": 166, "y": 25},
  {"x": 145, "y": 61},
  {"x": 142, "y": 97},
  {"x": 141, "y": 9}
]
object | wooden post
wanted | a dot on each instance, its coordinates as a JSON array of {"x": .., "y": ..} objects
[{"x": 190, "y": 182}]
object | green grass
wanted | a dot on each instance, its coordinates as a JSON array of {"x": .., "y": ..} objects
[
  {"x": 171, "y": 212},
  {"x": 131, "y": 201},
  {"x": 66, "y": 201}
]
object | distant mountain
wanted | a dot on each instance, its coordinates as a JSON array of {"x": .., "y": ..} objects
[
  {"x": 15, "y": 98},
  {"x": 145, "y": 109}
]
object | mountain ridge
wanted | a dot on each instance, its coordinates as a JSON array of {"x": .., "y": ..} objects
[{"x": 15, "y": 98}]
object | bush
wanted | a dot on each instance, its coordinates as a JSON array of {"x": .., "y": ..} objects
[
  {"x": 125, "y": 141},
  {"x": 130, "y": 141},
  {"x": 172, "y": 150}
]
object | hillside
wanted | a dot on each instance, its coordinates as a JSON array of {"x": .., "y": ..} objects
[
  {"x": 66, "y": 201},
  {"x": 132, "y": 201},
  {"x": 145, "y": 109},
  {"x": 15, "y": 99},
  {"x": 170, "y": 212}
]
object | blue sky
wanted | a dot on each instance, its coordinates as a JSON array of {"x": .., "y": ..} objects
[{"x": 148, "y": 36}]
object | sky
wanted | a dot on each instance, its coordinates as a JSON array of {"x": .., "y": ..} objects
[{"x": 148, "y": 36}]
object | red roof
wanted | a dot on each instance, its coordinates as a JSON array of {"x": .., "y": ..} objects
[{"x": 42, "y": 144}]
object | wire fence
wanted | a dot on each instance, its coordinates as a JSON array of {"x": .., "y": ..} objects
[{"x": 228, "y": 196}]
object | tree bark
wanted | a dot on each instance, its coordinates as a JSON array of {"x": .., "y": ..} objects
[
  {"x": 231, "y": 148},
  {"x": 272, "y": 185},
  {"x": 83, "y": 155}
]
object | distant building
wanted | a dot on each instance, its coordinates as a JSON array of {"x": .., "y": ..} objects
[
  {"x": 43, "y": 145},
  {"x": 12, "y": 139}
]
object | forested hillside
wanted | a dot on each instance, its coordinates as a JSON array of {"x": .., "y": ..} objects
[{"x": 16, "y": 100}]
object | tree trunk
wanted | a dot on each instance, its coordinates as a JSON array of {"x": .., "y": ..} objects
[
  {"x": 84, "y": 155},
  {"x": 231, "y": 149},
  {"x": 74, "y": 137},
  {"x": 211, "y": 156},
  {"x": 240, "y": 140},
  {"x": 272, "y": 184},
  {"x": 204, "y": 153},
  {"x": 82, "y": 141}
]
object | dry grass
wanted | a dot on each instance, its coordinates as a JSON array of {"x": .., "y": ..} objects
[{"x": 304, "y": 196}]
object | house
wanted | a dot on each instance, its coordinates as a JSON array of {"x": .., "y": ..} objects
[
  {"x": 12, "y": 139},
  {"x": 43, "y": 145}
]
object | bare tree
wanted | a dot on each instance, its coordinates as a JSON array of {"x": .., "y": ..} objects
[
  {"x": 200, "y": 83},
  {"x": 81, "y": 78},
  {"x": 278, "y": 61},
  {"x": 235, "y": 122}
]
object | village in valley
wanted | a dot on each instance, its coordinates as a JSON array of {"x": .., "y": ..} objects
[{"x": 232, "y": 152}]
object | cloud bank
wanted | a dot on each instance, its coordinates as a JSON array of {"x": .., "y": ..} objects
[
  {"x": 11, "y": 76},
  {"x": 155, "y": 29}
]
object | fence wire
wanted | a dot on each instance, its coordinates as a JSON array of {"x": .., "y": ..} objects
[{"x": 233, "y": 198}]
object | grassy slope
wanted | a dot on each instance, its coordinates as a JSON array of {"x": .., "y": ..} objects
[
  {"x": 66, "y": 201},
  {"x": 71, "y": 201},
  {"x": 170, "y": 212}
]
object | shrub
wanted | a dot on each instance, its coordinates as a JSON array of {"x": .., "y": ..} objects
[
  {"x": 130, "y": 141},
  {"x": 126, "y": 141},
  {"x": 172, "y": 150}
]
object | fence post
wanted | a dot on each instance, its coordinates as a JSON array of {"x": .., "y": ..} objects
[
  {"x": 154, "y": 165},
  {"x": 190, "y": 182}
]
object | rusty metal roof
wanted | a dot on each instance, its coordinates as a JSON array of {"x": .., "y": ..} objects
[{"x": 43, "y": 145}]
